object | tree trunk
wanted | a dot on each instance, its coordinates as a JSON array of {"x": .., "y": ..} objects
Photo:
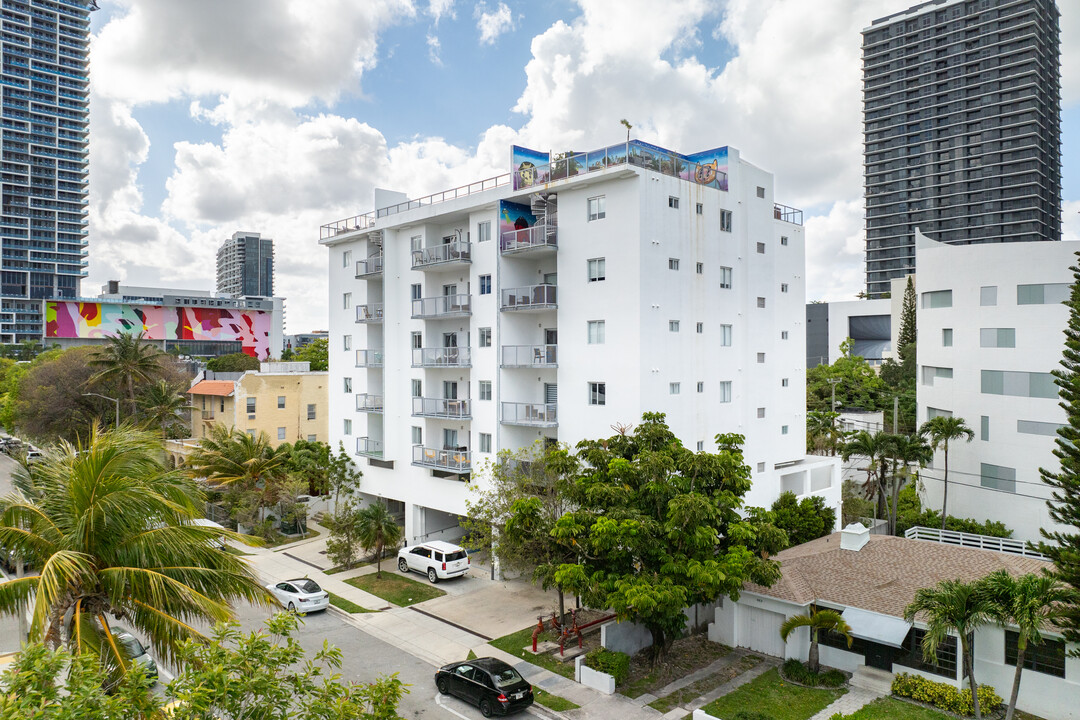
[
  {"x": 378, "y": 560},
  {"x": 966, "y": 648},
  {"x": 813, "y": 663},
  {"x": 1020, "y": 648},
  {"x": 131, "y": 394},
  {"x": 562, "y": 608},
  {"x": 659, "y": 645},
  {"x": 945, "y": 492}
]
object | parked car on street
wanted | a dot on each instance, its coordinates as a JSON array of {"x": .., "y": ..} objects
[
  {"x": 300, "y": 595},
  {"x": 436, "y": 559},
  {"x": 489, "y": 683},
  {"x": 137, "y": 652}
]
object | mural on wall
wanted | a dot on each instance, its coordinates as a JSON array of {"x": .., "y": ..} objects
[
  {"x": 513, "y": 216},
  {"x": 709, "y": 168},
  {"x": 75, "y": 320},
  {"x": 528, "y": 167}
]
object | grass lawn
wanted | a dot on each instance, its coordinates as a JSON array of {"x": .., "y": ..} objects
[
  {"x": 696, "y": 689},
  {"x": 280, "y": 540},
  {"x": 892, "y": 709},
  {"x": 554, "y": 702},
  {"x": 686, "y": 655},
  {"x": 234, "y": 551},
  {"x": 514, "y": 643},
  {"x": 769, "y": 694},
  {"x": 347, "y": 605},
  {"x": 396, "y": 589}
]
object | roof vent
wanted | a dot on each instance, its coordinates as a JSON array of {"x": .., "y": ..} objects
[{"x": 854, "y": 537}]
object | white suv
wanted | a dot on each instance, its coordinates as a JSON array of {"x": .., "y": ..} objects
[{"x": 438, "y": 560}]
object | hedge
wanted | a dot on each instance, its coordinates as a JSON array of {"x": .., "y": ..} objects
[
  {"x": 615, "y": 664},
  {"x": 943, "y": 695}
]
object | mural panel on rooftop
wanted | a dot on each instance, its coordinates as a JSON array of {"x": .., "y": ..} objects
[{"x": 529, "y": 167}]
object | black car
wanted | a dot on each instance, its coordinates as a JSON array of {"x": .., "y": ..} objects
[{"x": 491, "y": 684}]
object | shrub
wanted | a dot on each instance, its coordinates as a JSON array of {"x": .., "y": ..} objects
[
  {"x": 615, "y": 664},
  {"x": 911, "y": 514},
  {"x": 751, "y": 715},
  {"x": 798, "y": 672},
  {"x": 944, "y": 695}
]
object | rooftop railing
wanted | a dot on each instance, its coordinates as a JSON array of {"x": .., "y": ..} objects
[
  {"x": 530, "y": 414},
  {"x": 449, "y": 460},
  {"x": 442, "y": 357},
  {"x": 368, "y": 447},
  {"x": 442, "y": 408},
  {"x": 787, "y": 214},
  {"x": 370, "y": 313},
  {"x": 442, "y": 306},
  {"x": 972, "y": 540},
  {"x": 519, "y": 356},
  {"x": 532, "y": 297},
  {"x": 369, "y": 266},
  {"x": 449, "y": 253},
  {"x": 539, "y": 236}
]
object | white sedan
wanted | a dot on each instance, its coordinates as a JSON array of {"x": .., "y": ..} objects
[{"x": 300, "y": 595}]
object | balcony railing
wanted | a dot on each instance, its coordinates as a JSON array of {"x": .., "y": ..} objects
[
  {"x": 442, "y": 357},
  {"x": 366, "y": 402},
  {"x": 533, "y": 297},
  {"x": 367, "y": 447},
  {"x": 519, "y": 356},
  {"x": 442, "y": 408},
  {"x": 442, "y": 306},
  {"x": 787, "y": 214},
  {"x": 370, "y": 313},
  {"x": 208, "y": 415},
  {"x": 531, "y": 414},
  {"x": 369, "y": 358},
  {"x": 537, "y": 237},
  {"x": 370, "y": 266},
  {"x": 450, "y": 460},
  {"x": 451, "y": 253}
]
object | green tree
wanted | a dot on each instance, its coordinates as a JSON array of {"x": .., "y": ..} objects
[
  {"x": 818, "y": 621},
  {"x": 1029, "y": 603},
  {"x": 342, "y": 475},
  {"x": 875, "y": 448},
  {"x": 911, "y": 514},
  {"x": 111, "y": 530},
  {"x": 246, "y": 466},
  {"x": 940, "y": 431},
  {"x": 233, "y": 362},
  {"x": 128, "y": 360},
  {"x": 823, "y": 435},
  {"x": 316, "y": 352},
  {"x": 308, "y": 460},
  {"x": 343, "y": 543},
  {"x": 377, "y": 528},
  {"x": 952, "y": 607},
  {"x": 905, "y": 451},
  {"x": 163, "y": 407},
  {"x": 858, "y": 386},
  {"x": 803, "y": 520},
  {"x": 49, "y": 402},
  {"x": 905, "y": 340}
]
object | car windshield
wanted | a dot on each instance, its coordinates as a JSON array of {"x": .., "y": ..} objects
[
  {"x": 505, "y": 677},
  {"x": 456, "y": 555},
  {"x": 308, "y": 586},
  {"x": 133, "y": 646}
]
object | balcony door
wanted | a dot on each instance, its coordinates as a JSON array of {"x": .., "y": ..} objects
[
  {"x": 551, "y": 393},
  {"x": 450, "y": 390},
  {"x": 450, "y": 439},
  {"x": 551, "y": 336}
]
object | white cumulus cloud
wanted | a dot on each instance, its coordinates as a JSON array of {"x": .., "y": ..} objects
[{"x": 493, "y": 24}]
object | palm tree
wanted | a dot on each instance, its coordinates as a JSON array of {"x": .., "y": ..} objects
[
  {"x": 243, "y": 462},
  {"x": 822, "y": 433},
  {"x": 905, "y": 450},
  {"x": 817, "y": 621},
  {"x": 875, "y": 448},
  {"x": 377, "y": 528},
  {"x": 939, "y": 431},
  {"x": 111, "y": 530},
  {"x": 127, "y": 359},
  {"x": 1028, "y": 602},
  {"x": 163, "y": 406},
  {"x": 957, "y": 607}
]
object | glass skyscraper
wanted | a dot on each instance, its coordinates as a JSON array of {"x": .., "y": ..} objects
[{"x": 44, "y": 46}]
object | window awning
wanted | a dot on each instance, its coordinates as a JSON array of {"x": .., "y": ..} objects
[{"x": 884, "y": 629}]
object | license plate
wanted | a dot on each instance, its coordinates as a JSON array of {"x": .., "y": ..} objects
[{"x": 518, "y": 696}]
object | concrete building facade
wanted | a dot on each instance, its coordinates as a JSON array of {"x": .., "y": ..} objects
[{"x": 245, "y": 266}]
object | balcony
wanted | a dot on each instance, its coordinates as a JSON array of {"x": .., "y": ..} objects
[
  {"x": 368, "y": 447},
  {"x": 444, "y": 306},
  {"x": 539, "y": 237},
  {"x": 532, "y": 298},
  {"x": 444, "y": 408},
  {"x": 369, "y": 267},
  {"x": 442, "y": 357},
  {"x": 369, "y": 358},
  {"x": 366, "y": 402},
  {"x": 448, "y": 254},
  {"x": 208, "y": 415},
  {"x": 530, "y": 414},
  {"x": 370, "y": 313},
  {"x": 530, "y": 356},
  {"x": 787, "y": 214},
  {"x": 448, "y": 460}
]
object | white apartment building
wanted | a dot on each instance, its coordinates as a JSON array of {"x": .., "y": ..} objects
[
  {"x": 553, "y": 304},
  {"x": 990, "y": 323}
]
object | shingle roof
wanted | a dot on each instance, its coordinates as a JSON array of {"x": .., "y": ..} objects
[
  {"x": 212, "y": 387},
  {"x": 885, "y": 574}
]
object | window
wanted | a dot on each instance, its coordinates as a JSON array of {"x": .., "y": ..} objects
[
  {"x": 485, "y": 284},
  {"x": 946, "y": 337},
  {"x": 280, "y": 402},
  {"x": 725, "y": 391},
  {"x": 417, "y": 435},
  {"x": 997, "y": 477},
  {"x": 700, "y": 443},
  {"x": 1047, "y": 657},
  {"x": 348, "y": 384},
  {"x": 725, "y": 278},
  {"x": 997, "y": 337},
  {"x": 761, "y": 248},
  {"x": 783, "y": 429},
  {"x": 1047, "y": 294},
  {"x": 911, "y": 654},
  {"x": 346, "y": 258},
  {"x": 700, "y": 209},
  {"x": 673, "y": 388},
  {"x": 485, "y": 389},
  {"x": 1033, "y": 427},
  {"x": 416, "y": 242},
  {"x": 783, "y": 334},
  {"x": 312, "y": 438},
  {"x": 783, "y": 239},
  {"x": 596, "y": 332},
  {"x": 673, "y": 202},
  {"x": 311, "y": 411},
  {"x": 725, "y": 220},
  {"x": 761, "y": 357},
  {"x": 347, "y": 426},
  {"x": 700, "y": 269},
  {"x": 483, "y": 231},
  {"x": 700, "y": 328},
  {"x": 700, "y": 386},
  {"x": 346, "y": 300},
  {"x": 346, "y": 342},
  {"x": 761, "y": 467},
  {"x": 597, "y": 208},
  {"x": 417, "y": 388},
  {"x": 760, "y": 192},
  {"x": 984, "y": 427},
  {"x": 281, "y": 433},
  {"x": 933, "y": 412},
  {"x": 597, "y": 269},
  {"x": 784, "y": 382},
  {"x": 930, "y": 373},
  {"x": 1018, "y": 384},
  {"x": 725, "y": 336},
  {"x": 250, "y": 405},
  {"x": 485, "y": 337},
  {"x": 761, "y": 302},
  {"x": 673, "y": 325},
  {"x": 673, "y": 263},
  {"x": 937, "y": 299},
  {"x": 783, "y": 287},
  {"x": 485, "y": 442},
  {"x": 988, "y": 295},
  {"x": 761, "y": 412},
  {"x": 597, "y": 393}
]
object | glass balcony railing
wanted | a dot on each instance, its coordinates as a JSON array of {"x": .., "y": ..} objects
[
  {"x": 442, "y": 306},
  {"x": 538, "y": 237},
  {"x": 368, "y": 447},
  {"x": 370, "y": 313},
  {"x": 369, "y": 358},
  {"x": 450, "y": 460},
  {"x": 442, "y": 408},
  {"x": 366, "y": 402},
  {"x": 369, "y": 266},
  {"x": 442, "y": 357},
  {"x": 533, "y": 297},
  {"x": 530, "y": 414},
  {"x": 208, "y": 415},
  {"x": 541, "y": 356},
  {"x": 451, "y": 253}
]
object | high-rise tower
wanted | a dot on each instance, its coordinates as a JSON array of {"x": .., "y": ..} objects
[
  {"x": 245, "y": 266},
  {"x": 44, "y": 146},
  {"x": 962, "y": 116}
]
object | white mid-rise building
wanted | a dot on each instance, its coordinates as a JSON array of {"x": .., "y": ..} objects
[
  {"x": 563, "y": 299},
  {"x": 991, "y": 329}
]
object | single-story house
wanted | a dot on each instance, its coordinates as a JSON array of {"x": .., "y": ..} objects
[{"x": 871, "y": 579}]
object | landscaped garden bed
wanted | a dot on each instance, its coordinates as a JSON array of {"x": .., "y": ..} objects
[
  {"x": 396, "y": 589},
  {"x": 705, "y": 685},
  {"x": 771, "y": 696},
  {"x": 684, "y": 657}
]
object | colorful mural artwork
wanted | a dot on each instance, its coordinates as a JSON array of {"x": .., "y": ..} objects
[
  {"x": 75, "y": 320},
  {"x": 709, "y": 168},
  {"x": 529, "y": 167},
  {"x": 513, "y": 217}
]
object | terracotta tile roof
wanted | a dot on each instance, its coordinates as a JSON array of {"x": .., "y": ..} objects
[
  {"x": 212, "y": 387},
  {"x": 885, "y": 574}
]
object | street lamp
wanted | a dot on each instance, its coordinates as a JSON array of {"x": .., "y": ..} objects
[{"x": 113, "y": 400}]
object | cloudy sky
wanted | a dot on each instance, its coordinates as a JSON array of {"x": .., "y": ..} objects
[{"x": 210, "y": 116}]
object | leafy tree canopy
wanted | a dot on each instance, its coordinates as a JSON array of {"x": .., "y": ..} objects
[
  {"x": 233, "y": 362},
  {"x": 802, "y": 521},
  {"x": 858, "y": 386},
  {"x": 315, "y": 352}
]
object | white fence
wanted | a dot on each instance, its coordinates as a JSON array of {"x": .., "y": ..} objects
[{"x": 971, "y": 540}]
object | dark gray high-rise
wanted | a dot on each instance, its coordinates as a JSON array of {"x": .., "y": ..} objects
[
  {"x": 962, "y": 113},
  {"x": 245, "y": 266}
]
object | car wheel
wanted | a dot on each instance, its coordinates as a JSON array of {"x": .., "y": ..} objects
[
  {"x": 432, "y": 576},
  {"x": 403, "y": 565},
  {"x": 442, "y": 685},
  {"x": 485, "y": 707},
  {"x": 292, "y": 608}
]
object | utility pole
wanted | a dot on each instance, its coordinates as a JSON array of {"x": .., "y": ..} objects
[
  {"x": 110, "y": 399},
  {"x": 832, "y": 407},
  {"x": 895, "y": 413}
]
